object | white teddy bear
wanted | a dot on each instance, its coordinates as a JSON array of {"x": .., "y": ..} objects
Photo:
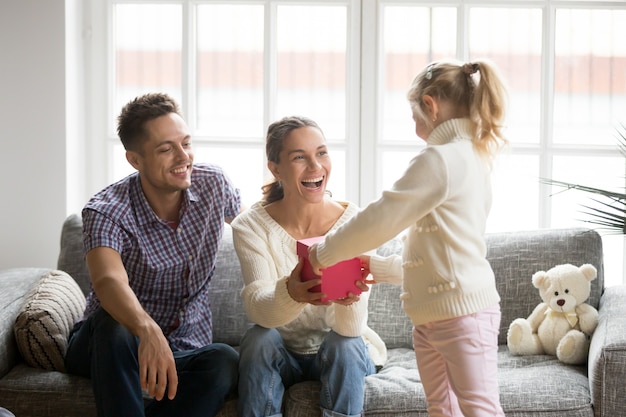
[{"x": 562, "y": 324}]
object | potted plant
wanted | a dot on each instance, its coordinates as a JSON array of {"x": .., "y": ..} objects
[{"x": 611, "y": 216}]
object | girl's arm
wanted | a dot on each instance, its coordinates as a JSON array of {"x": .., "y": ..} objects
[
  {"x": 423, "y": 187},
  {"x": 386, "y": 269}
]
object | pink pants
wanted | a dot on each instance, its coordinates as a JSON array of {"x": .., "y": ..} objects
[{"x": 458, "y": 364}]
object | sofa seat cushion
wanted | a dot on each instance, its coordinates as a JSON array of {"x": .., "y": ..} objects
[
  {"x": 28, "y": 391},
  {"x": 394, "y": 391},
  {"x": 529, "y": 386},
  {"x": 541, "y": 384},
  {"x": 44, "y": 322}
]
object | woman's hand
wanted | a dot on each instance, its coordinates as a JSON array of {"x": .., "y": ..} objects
[
  {"x": 298, "y": 290},
  {"x": 351, "y": 298}
]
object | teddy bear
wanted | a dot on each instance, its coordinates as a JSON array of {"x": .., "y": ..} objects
[{"x": 562, "y": 324}]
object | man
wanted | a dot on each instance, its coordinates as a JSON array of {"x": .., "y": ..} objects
[{"x": 151, "y": 241}]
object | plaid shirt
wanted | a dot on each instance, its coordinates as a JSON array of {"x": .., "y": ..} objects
[{"x": 169, "y": 270}]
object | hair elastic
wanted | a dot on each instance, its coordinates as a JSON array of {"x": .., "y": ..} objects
[
  {"x": 470, "y": 68},
  {"x": 429, "y": 72}
]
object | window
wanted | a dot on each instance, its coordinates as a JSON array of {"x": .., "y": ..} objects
[
  {"x": 242, "y": 66},
  {"x": 237, "y": 66}
]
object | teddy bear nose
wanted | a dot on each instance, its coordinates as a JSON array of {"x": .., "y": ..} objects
[{"x": 561, "y": 302}]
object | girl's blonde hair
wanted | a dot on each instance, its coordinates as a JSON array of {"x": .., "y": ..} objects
[{"x": 476, "y": 88}]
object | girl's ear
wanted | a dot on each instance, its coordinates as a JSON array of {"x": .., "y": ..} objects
[{"x": 431, "y": 107}]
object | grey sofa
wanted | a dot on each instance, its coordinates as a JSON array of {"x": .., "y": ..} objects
[{"x": 530, "y": 385}]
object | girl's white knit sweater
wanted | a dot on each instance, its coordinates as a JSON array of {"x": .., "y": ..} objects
[
  {"x": 267, "y": 254},
  {"x": 441, "y": 202}
]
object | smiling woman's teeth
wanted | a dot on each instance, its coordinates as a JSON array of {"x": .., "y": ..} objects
[{"x": 314, "y": 182}]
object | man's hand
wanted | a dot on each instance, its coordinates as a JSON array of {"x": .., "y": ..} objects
[{"x": 157, "y": 369}]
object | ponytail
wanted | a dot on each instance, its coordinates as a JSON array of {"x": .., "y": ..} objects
[
  {"x": 272, "y": 191},
  {"x": 487, "y": 109},
  {"x": 476, "y": 88}
]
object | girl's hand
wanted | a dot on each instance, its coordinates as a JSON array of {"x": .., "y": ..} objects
[
  {"x": 365, "y": 271},
  {"x": 298, "y": 290},
  {"x": 362, "y": 284}
]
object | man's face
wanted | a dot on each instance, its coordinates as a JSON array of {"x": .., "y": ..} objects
[{"x": 165, "y": 161}]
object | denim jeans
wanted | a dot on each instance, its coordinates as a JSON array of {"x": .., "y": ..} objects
[
  {"x": 105, "y": 351},
  {"x": 267, "y": 369}
]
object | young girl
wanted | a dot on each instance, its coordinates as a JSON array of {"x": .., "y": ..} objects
[{"x": 443, "y": 199}]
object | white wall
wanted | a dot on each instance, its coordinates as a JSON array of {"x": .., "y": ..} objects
[{"x": 33, "y": 130}]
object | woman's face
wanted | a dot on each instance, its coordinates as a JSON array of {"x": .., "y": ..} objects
[{"x": 304, "y": 167}]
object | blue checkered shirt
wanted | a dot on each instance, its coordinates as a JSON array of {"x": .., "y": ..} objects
[{"x": 169, "y": 270}]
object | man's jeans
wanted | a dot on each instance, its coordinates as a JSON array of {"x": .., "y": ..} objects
[
  {"x": 267, "y": 369},
  {"x": 105, "y": 351}
]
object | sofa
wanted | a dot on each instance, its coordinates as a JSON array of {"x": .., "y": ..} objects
[{"x": 529, "y": 385}]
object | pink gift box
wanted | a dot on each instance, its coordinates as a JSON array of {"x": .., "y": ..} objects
[{"x": 337, "y": 280}]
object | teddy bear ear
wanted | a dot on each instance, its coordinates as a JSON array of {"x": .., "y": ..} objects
[
  {"x": 589, "y": 271},
  {"x": 539, "y": 278}
]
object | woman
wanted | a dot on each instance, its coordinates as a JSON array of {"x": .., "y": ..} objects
[{"x": 296, "y": 336}]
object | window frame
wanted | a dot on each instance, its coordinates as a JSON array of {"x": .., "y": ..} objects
[{"x": 364, "y": 68}]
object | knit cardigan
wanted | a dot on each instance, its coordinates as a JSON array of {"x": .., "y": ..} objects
[
  {"x": 267, "y": 254},
  {"x": 441, "y": 202}
]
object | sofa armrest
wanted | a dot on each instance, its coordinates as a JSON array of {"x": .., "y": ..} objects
[
  {"x": 607, "y": 355},
  {"x": 15, "y": 285}
]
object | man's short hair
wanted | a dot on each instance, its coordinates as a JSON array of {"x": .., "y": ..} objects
[{"x": 134, "y": 115}]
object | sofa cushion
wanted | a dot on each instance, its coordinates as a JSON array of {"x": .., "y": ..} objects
[
  {"x": 386, "y": 315},
  {"x": 72, "y": 253},
  {"x": 516, "y": 256},
  {"x": 28, "y": 391},
  {"x": 229, "y": 317},
  {"x": 44, "y": 322},
  {"x": 529, "y": 386},
  {"x": 15, "y": 285}
]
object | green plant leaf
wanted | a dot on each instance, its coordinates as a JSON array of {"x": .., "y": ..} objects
[{"x": 613, "y": 217}]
